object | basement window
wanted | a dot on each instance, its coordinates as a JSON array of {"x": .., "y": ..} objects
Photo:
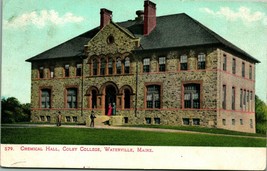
[
  {"x": 48, "y": 118},
  {"x": 157, "y": 120},
  {"x": 148, "y": 120},
  {"x": 67, "y": 118},
  {"x": 75, "y": 119},
  {"x": 196, "y": 121},
  {"x": 185, "y": 121},
  {"x": 126, "y": 120}
]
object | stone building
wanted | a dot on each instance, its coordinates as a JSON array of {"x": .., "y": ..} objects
[{"x": 168, "y": 70}]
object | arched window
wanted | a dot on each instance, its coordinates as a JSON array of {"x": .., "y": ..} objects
[
  {"x": 127, "y": 65},
  {"x": 94, "y": 99},
  {"x": 118, "y": 65},
  {"x": 110, "y": 66},
  {"x": 201, "y": 61},
  {"x": 127, "y": 99},
  {"x": 153, "y": 96},
  {"x": 95, "y": 67},
  {"x": 192, "y": 96},
  {"x": 183, "y": 62},
  {"x": 103, "y": 66}
]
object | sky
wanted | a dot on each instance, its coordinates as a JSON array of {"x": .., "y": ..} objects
[{"x": 30, "y": 27}]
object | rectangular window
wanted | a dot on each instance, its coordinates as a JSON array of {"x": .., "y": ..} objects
[
  {"x": 243, "y": 69},
  {"x": 233, "y": 121},
  {"x": 153, "y": 96},
  {"x": 241, "y": 97},
  {"x": 72, "y": 98},
  {"x": 52, "y": 72},
  {"x": 146, "y": 65},
  {"x": 157, "y": 120},
  {"x": 126, "y": 120},
  {"x": 185, "y": 121},
  {"x": 41, "y": 72},
  {"x": 241, "y": 121},
  {"x": 48, "y": 118},
  {"x": 67, "y": 70},
  {"x": 45, "y": 98},
  {"x": 233, "y": 98},
  {"x": 244, "y": 98},
  {"x": 192, "y": 96},
  {"x": 224, "y": 122},
  {"x": 148, "y": 120},
  {"x": 75, "y": 119},
  {"x": 183, "y": 62},
  {"x": 201, "y": 61},
  {"x": 250, "y": 72},
  {"x": 224, "y": 62},
  {"x": 67, "y": 118},
  {"x": 224, "y": 97},
  {"x": 234, "y": 66},
  {"x": 196, "y": 121},
  {"x": 162, "y": 64},
  {"x": 251, "y": 95},
  {"x": 79, "y": 70}
]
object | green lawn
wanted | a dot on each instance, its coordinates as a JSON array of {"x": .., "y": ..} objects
[
  {"x": 85, "y": 136},
  {"x": 199, "y": 129}
]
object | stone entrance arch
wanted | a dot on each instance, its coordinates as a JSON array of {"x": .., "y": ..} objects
[{"x": 109, "y": 96}]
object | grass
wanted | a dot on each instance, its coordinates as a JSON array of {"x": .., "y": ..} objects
[
  {"x": 83, "y": 136},
  {"x": 199, "y": 129}
]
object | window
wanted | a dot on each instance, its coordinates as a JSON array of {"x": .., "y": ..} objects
[
  {"x": 67, "y": 70},
  {"x": 75, "y": 119},
  {"x": 118, "y": 65},
  {"x": 162, "y": 64},
  {"x": 127, "y": 99},
  {"x": 243, "y": 69},
  {"x": 148, "y": 120},
  {"x": 52, "y": 72},
  {"x": 103, "y": 66},
  {"x": 192, "y": 96},
  {"x": 153, "y": 96},
  {"x": 244, "y": 98},
  {"x": 250, "y": 72},
  {"x": 224, "y": 97},
  {"x": 223, "y": 121},
  {"x": 196, "y": 121},
  {"x": 42, "y": 118},
  {"x": 41, "y": 72},
  {"x": 233, "y": 121},
  {"x": 251, "y": 123},
  {"x": 185, "y": 121},
  {"x": 224, "y": 62},
  {"x": 146, "y": 65},
  {"x": 67, "y": 118},
  {"x": 233, "y": 98},
  {"x": 72, "y": 98},
  {"x": 157, "y": 120},
  {"x": 183, "y": 62},
  {"x": 127, "y": 65},
  {"x": 95, "y": 67},
  {"x": 45, "y": 98},
  {"x": 126, "y": 120},
  {"x": 251, "y": 95},
  {"x": 234, "y": 66},
  {"x": 79, "y": 70},
  {"x": 201, "y": 61},
  {"x": 247, "y": 96},
  {"x": 241, "y": 121},
  {"x": 241, "y": 97},
  {"x": 110, "y": 66},
  {"x": 48, "y": 118},
  {"x": 94, "y": 99}
]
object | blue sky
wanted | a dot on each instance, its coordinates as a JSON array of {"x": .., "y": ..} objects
[{"x": 30, "y": 27}]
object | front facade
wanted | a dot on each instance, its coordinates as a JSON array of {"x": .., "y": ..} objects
[{"x": 146, "y": 75}]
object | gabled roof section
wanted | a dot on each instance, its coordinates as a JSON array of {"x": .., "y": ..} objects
[{"x": 171, "y": 31}]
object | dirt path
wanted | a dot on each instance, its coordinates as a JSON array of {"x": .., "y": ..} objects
[{"x": 125, "y": 128}]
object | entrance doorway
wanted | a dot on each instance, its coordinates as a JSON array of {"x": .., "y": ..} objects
[{"x": 110, "y": 97}]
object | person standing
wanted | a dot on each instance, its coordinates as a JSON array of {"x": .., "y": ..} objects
[
  {"x": 109, "y": 109},
  {"x": 114, "y": 109},
  {"x": 59, "y": 118},
  {"x": 92, "y": 117}
]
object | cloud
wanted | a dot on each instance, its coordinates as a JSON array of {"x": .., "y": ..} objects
[
  {"x": 243, "y": 13},
  {"x": 41, "y": 19}
]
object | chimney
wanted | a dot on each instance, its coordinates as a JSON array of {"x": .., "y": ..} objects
[
  {"x": 105, "y": 17},
  {"x": 140, "y": 15},
  {"x": 149, "y": 17}
]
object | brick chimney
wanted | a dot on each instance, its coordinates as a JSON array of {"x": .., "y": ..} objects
[
  {"x": 149, "y": 17},
  {"x": 105, "y": 17}
]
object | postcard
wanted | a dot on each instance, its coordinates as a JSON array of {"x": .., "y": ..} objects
[{"x": 147, "y": 84}]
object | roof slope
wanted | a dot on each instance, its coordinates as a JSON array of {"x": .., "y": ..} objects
[{"x": 177, "y": 30}]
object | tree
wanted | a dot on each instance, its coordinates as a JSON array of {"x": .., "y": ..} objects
[
  {"x": 261, "y": 115},
  {"x": 13, "y": 111}
]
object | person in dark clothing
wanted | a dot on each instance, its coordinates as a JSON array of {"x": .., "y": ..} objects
[
  {"x": 92, "y": 117},
  {"x": 59, "y": 118}
]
